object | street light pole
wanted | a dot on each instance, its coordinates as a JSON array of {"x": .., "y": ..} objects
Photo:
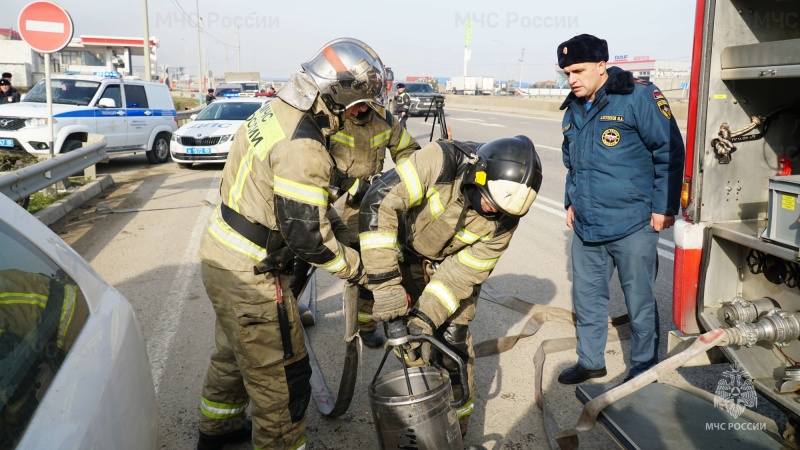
[
  {"x": 502, "y": 64},
  {"x": 239, "y": 48},
  {"x": 199, "y": 56},
  {"x": 521, "y": 61},
  {"x": 148, "y": 76},
  {"x": 186, "y": 72}
]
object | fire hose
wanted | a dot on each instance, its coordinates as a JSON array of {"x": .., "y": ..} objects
[{"x": 776, "y": 326}]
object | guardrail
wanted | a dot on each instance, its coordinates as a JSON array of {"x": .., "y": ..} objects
[
  {"x": 185, "y": 116},
  {"x": 31, "y": 179}
]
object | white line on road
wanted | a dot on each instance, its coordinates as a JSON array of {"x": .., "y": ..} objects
[
  {"x": 45, "y": 27},
  {"x": 560, "y": 212},
  {"x": 160, "y": 342},
  {"x": 547, "y": 147},
  {"x": 480, "y": 122}
]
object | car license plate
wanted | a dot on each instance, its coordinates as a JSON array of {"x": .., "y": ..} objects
[
  {"x": 198, "y": 151},
  {"x": 6, "y": 142}
]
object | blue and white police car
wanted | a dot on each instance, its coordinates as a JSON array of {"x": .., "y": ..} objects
[
  {"x": 208, "y": 137},
  {"x": 134, "y": 116}
]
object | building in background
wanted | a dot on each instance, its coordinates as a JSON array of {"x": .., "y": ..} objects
[{"x": 85, "y": 54}]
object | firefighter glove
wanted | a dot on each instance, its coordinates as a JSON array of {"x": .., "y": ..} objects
[
  {"x": 390, "y": 302},
  {"x": 419, "y": 350}
]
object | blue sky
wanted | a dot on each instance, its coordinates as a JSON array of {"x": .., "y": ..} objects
[{"x": 414, "y": 38}]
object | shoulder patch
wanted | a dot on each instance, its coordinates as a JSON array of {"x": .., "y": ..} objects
[
  {"x": 663, "y": 106},
  {"x": 657, "y": 95},
  {"x": 308, "y": 129}
]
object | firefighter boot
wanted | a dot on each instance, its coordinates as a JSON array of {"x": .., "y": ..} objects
[
  {"x": 215, "y": 442},
  {"x": 371, "y": 338}
]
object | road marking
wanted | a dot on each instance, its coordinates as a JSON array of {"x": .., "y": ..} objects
[
  {"x": 516, "y": 116},
  {"x": 547, "y": 147},
  {"x": 44, "y": 27},
  {"x": 161, "y": 340},
  {"x": 480, "y": 122},
  {"x": 668, "y": 254}
]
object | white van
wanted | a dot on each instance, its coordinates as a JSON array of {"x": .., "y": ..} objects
[{"x": 134, "y": 116}]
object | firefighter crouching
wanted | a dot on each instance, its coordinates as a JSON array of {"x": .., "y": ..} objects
[
  {"x": 274, "y": 202},
  {"x": 452, "y": 217},
  {"x": 359, "y": 150}
]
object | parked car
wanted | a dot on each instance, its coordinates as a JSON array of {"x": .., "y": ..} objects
[
  {"x": 134, "y": 116},
  {"x": 74, "y": 371},
  {"x": 228, "y": 90},
  {"x": 422, "y": 95},
  {"x": 208, "y": 137}
]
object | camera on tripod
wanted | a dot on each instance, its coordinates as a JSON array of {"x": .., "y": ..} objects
[{"x": 438, "y": 116}]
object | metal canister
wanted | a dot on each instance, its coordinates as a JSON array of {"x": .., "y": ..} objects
[{"x": 425, "y": 420}]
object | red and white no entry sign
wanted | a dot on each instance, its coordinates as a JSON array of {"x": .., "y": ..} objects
[{"x": 45, "y": 26}]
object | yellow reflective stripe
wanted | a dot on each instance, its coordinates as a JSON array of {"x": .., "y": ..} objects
[
  {"x": 364, "y": 317},
  {"x": 302, "y": 192},
  {"x": 437, "y": 209},
  {"x": 354, "y": 188},
  {"x": 337, "y": 264},
  {"x": 67, "y": 311},
  {"x": 376, "y": 239},
  {"x": 467, "y": 236},
  {"x": 220, "y": 411},
  {"x": 344, "y": 139},
  {"x": 478, "y": 264},
  {"x": 466, "y": 410},
  {"x": 228, "y": 237},
  {"x": 301, "y": 445},
  {"x": 410, "y": 178},
  {"x": 23, "y": 298},
  {"x": 379, "y": 139},
  {"x": 445, "y": 297},
  {"x": 405, "y": 139},
  {"x": 263, "y": 132}
]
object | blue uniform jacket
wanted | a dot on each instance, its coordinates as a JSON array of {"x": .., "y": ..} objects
[{"x": 624, "y": 158}]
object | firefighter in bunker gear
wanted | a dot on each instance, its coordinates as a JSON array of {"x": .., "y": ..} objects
[
  {"x": 275, "y": 194},
  {"x": 40, "y": 319},
  {"x": 358, "y": 151},
  {"x": 452, "y": 216}
]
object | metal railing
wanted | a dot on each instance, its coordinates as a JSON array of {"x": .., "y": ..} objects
[
  {"x": 31, "y": 179},
  {"x": 185, "y": 116}
]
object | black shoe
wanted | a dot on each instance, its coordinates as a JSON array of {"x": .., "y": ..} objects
[
  {"x": 215, "y": 442},
  {"x": 371, "y": 339},
  {"x": 476, "y": 447},
  {"x": 577, "y": 374}
]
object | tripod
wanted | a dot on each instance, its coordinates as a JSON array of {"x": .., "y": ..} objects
[{"x": 437, "y": 115}]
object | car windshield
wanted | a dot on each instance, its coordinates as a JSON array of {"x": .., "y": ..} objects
[
  {"x": 250, "y": 87},
  {"x": 417, "y": 88},
  {"x": 68, "y": 92},
  {"x": 224, "y": 110}
]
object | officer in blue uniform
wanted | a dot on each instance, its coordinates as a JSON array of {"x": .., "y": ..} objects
[{"x": 624, "y": 156}]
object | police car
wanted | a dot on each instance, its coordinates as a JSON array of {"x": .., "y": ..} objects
[
  {"x": 133, "y": 115},
  {"x": 208, "y": 137}
]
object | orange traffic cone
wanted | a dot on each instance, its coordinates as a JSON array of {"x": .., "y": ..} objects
[{"x": 449, "y": 132}]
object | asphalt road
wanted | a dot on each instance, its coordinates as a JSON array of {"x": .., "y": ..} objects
[{"x": 148, "y": 251}]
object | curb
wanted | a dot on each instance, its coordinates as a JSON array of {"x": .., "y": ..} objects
[{"x": 61, "y": 208}]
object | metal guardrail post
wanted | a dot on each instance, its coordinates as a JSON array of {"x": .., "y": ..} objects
[{"x": 28, "y": 180}]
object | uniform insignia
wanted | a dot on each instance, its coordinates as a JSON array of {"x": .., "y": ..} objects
[
  {"x": 663, "y": 106},
  {"x": 657, "y": 95},
  {"x": 610, "y": 137},
  {"x": 569, "y": 125},
  {"x": 480, "y": 177},
  {"x": 612, "y": 118}
]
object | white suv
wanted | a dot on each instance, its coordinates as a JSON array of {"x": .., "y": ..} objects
[{"x": 133, "y": 115}]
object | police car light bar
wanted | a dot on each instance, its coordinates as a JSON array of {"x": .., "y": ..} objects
[{"x": 230, "y": 94}]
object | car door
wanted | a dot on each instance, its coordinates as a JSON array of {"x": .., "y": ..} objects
[
  {"x": 112, "y": 122},
  {"x": 140, "y": 116}
]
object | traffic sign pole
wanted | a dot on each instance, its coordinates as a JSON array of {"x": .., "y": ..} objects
[
  {"x": 47, "y": 28},
  {"x": 49, "y": 92}
]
